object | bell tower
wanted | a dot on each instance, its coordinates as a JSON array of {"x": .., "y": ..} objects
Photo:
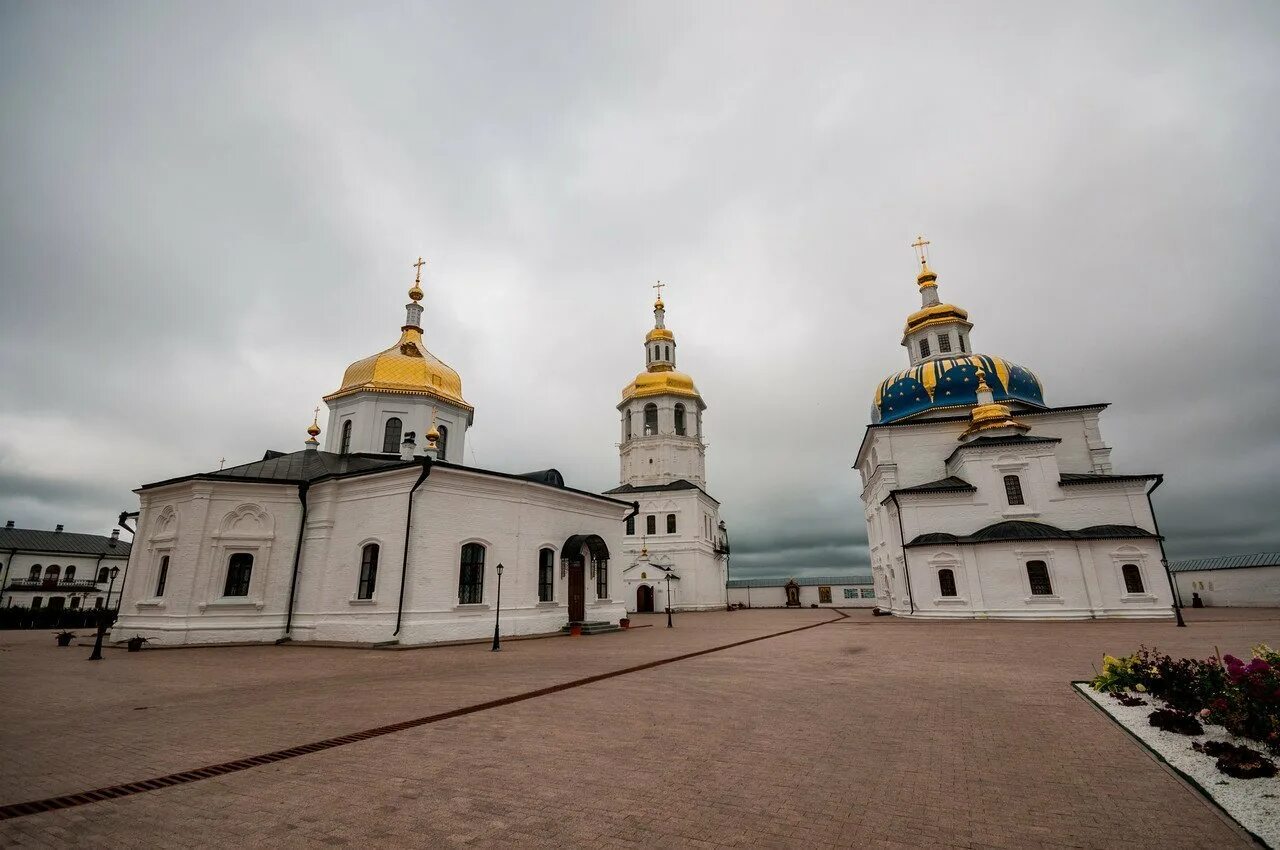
[{"x": 661, "y": 416}]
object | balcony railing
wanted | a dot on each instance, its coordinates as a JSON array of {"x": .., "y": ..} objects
[{"x": 51, "y": 584}]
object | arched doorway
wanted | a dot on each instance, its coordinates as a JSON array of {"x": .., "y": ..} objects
[
  {"x": 644, "y": 599},
  {"x": 571, "y": 553}
]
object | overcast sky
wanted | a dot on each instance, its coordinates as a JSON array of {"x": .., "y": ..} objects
[{"x": 208, "y": 210}]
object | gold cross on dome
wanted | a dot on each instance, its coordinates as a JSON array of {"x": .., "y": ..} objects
[
  {"x": 658, "y": 286},
  {"x": 921, "y": 245},
  {"x": 316, "y": 418},
  {"x": 418, "y": 265}
]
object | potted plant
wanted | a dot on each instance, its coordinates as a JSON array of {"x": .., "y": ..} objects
[
  {"x": 64, "y": 638},
  {"x": 135, "y": 643},
  {"x": 625, "y": 622}
]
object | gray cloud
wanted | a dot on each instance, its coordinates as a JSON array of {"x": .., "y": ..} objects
[{"x": 208, "y": 211}]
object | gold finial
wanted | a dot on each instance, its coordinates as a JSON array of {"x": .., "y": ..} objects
[
  {"x": 416, "y": 292},
  {"x": 982, "y": 382},
  {"x": 921, "y": 245},
  {"x": 657, "y": 305},
  {"x": 432, "y": 433},
  {"x": 314, "y": 428}
]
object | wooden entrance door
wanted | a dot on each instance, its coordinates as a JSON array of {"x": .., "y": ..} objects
[
  {"x": 644, "y": 599},
  {"x": 577, "y": 591}
]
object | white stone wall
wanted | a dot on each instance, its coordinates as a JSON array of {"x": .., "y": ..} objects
[
  {"x": 1247, "y": 587},
  {"x": 993, "y": 579},
  {"x": 776, "y": 597},
  {"x": 646, "y": 459},
  {"x": 18, "y": 567},
  {"x": 690, "y": 552},
  {"x": 199, "y": 524},
  {"x": 369, "y": 412}
]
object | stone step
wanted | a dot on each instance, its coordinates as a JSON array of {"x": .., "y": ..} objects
[{"x": 594, "y": 627}]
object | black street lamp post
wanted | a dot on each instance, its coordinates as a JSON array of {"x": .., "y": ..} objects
[
  {"x": 669, "y": 624},
  {"x": 497, "y": 613},
  {"x": 102, "y": 621}
]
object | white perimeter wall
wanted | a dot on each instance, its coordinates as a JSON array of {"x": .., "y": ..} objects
[{"x": 1248, "y": 587}]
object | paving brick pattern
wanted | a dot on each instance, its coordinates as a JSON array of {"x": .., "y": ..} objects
[{"x": 858, "y": 733}]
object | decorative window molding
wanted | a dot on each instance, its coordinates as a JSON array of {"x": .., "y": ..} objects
[
  {"x": 1139, "y": 560},
  {"x": 1044, "y": 556}
]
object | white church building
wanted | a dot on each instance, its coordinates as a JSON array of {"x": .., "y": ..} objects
[
  {"x": 981, "y": 500},
  {"x": 677, "y": 546},
  {"x": 377, "y": 538}
]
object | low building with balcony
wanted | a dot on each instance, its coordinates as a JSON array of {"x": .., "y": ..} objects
[{"x": 59, "y": 569}]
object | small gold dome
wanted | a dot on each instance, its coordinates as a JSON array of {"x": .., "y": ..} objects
[
  {"x": 407, "y": 368},
  {"x": 313, "y": 429},
  {"x": 416, "y": 292},
  {"x": 926, "y": 276},
  {"x": 661, "y": 382},
  {"x": 659, "y": 333},
  {"x": 658, "y": 305}
]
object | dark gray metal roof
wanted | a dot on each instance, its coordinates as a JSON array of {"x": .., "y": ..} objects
[
  {"x": 38, "y": 540},
  {"x": 679, "y": 484},
  {"x": 1069, "y": 478},
  {"x": 309, "y": 466},
  {"x": 949, "y": 484},
  {"x": 1013, "y": 529},
  {"x": 1227, "y": 562},
  {"x": 987, "y": 442},
  {"x": 803, "y": 581}
]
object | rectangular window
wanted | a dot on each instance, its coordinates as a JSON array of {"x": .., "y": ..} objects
[
  {"x": 239, "y": 570},
  {"x": 651, "y": 524},
  {"x": 36, "y": 602},
  {"x": 868, "y": 593},
  {"x": 1013, "y": 490},
  {"x": 631, "y": 525},
  {"x": 546, "y": 574},
  {"x": 164, "y": 575},
  {"x": 671, "y": 523},
  {"x": 471, "y": 575},
  {"x": 961, "y": 338},
  {"x": 850, "y": 593},
  {"x": 1038, "y": 576},
  {"x": 824, "y": 595},
  {"x": 602, "y": 580},
  {"x": 944, "y": 343},
  {"x": 97, "y": 603},
  {"x": 368, "y": 571},
  {"x": 924, "y": 347}
]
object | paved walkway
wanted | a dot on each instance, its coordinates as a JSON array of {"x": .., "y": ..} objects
[{"x": 858, "y": 732}]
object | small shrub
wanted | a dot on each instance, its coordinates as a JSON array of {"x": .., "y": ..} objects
[
  {"x": 1175, "y": 721},
  {"x": 1240, "y": 762},
  {"x": 1125, "y": 699}
]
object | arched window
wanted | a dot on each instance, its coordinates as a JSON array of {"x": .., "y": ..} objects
[
  {"x": 1038, "y": 576},
  {"x": 69, "y": 573},
  {"x": 163, "y": 577},
  {"x": 345, "y": 445},
  {"x": 924, "y": 347},
  {"x": 680, "y": 420},
  {"x": 651, "y": 524},
  {"x": 442, "y": 444},
  {"x": 671, "y": 523},
  {"x": 631, "y": 528},
  {"x": 52, "y": 572},
  {"x": 666, "y": 352},
  {"x": 650, "y": 419},
  {"x": 626, "y": 425},
  {"x": 239, "y": 570},
  {"x": 471, "y": 576},
  {"x": 391, "y": 436},
  {"x": 946, "y": 582},
  {"x": 1013, "y": 490},
  {"x": 368, "y": 571},
  {"x": 602, "y": 579},
  {"x": 546, "y": 575},
  {"x": 35, "y": 572},
  {"x": 1132, "y": 578},
  {"x": 104, "y": 575}
]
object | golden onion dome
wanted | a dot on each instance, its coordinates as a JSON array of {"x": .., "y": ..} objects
[
  {"x": 661, "y": 382},
  {"x": 936, "y": 315},
  {"x": 658, "y": 305},
  {"x": 659, "y": 333},
  {"x": 926, "y": 276},
  {"x": 313, "y": 429},
  {"x": 407, "y": 368}
]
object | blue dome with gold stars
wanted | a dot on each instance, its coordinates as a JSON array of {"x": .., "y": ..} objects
[{"x": 952, "y": 382}]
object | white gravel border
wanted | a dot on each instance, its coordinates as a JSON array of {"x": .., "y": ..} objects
[{"x": 1254, "y": 803}]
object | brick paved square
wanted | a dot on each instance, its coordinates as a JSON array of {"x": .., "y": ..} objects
[{"x": 856, "y": 732}]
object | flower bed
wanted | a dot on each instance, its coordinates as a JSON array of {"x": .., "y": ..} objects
[{"x": 1216, "y": 721}]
